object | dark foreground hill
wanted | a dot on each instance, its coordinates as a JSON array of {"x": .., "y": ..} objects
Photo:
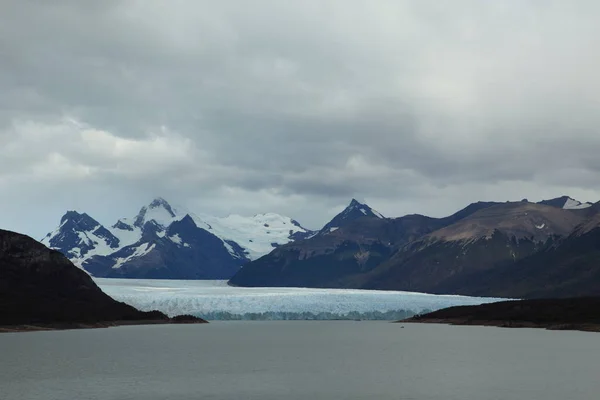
[
  {"x": 581, "y": 313},
  {"x": 41, "y": 287}
]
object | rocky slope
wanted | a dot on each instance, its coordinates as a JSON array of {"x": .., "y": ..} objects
[
  {"x": 496, "y": 237},
  {"x": 162, "y": 241},
  {"x": 569, "y": 267},
  {"x": 39, "y": 286}
]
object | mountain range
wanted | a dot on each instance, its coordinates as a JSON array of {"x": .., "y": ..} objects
[
  {"x": 511, "y": 249},
  {"x": 163, "y": 241},
  {"x": 504, "y": 249}
]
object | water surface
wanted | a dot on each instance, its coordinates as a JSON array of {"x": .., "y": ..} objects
[{"x": 300, "y": 360}]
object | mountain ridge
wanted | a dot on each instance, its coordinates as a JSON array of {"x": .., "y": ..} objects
[
  {"x": 451, "y": 255},
  {"x": 151, "y": 244},
  {"x": 356, "y": 247}
]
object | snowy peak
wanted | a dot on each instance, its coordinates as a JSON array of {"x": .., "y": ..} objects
[
  {"x": 362, "y": 208},
  {"x": 80, "y": 236},
  {"x": 256, "y": 235},
  {"x": 355, "y": 210},
  {"x": 160, "y": 203},
  {"x": 158, "y": 210},
  {"x": 162, "y": 234},
  {"x": 566, "y": 203},
  {"x": 82, "y": 221},
  {"x": 71, "y": 224}
]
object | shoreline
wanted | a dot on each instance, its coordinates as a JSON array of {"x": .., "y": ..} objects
[
  {"x": 505, "y": 324},
  {"x": 574, "y": 314},
  {"x": 60, "y": 326}
]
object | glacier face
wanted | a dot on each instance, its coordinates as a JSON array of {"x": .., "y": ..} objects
[{"x": 215, "y": 300}]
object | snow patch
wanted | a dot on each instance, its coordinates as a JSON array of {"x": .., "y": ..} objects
[
  {"x": 255, "y": 234},
  {"x": 377, "y": 214},
  {"x": 127, "y": 237},
  {"x": 176, "y": 239},
  {"x": 138, "y": 252},
  {"x": 75, "y": 252},
  {"x": 156, "y": 212},
  {"x": 572, "y": 204}
]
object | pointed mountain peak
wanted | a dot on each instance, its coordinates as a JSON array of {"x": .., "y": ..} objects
[
  {"x": 79, "y": 234},
  {"x": 354, "y": 211},
  {"x": 355, "y": 203},
  {"x": 160, "y": 202},
  {"x": 187, "y": 220},
  {"x": 159, "y": 211},
  {"x": 362, "y": 208},
  {"x": 81, "y": 220},
  {"x": 186, "y": 226}
]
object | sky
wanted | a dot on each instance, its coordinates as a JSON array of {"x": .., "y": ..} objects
[{"x": 294, "y": 107}]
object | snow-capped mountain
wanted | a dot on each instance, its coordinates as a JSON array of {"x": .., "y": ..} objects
[
  {"x": 256, "y": 235},
  {"x": 162, "y": 241},
  {"x": 352, "y": 212}
]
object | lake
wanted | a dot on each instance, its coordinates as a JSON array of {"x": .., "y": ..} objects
[{"x": 300, "y": 360}]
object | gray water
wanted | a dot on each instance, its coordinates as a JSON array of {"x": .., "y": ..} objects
[{"x": 300, "y": 360}]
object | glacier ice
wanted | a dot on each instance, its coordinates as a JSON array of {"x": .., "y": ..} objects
[{"x": 215, "y": 300}]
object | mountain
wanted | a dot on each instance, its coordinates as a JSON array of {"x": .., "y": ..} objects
[
  {"x": 493, "y": 238},
  {"x": 165, "y": 242},
  {"x": 570, "y": 267},
  {"x": 512, "y": 249},
  {"x": 354, "y": 211},
  {"x": 353, "y": 243},
  {"x": 566, "y": 202},
  {"x": 180, "y": 251},
  {"x": 41, "y": 286}
]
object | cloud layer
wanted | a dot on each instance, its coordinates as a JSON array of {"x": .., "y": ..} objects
[{"x": 294, "y": 107}]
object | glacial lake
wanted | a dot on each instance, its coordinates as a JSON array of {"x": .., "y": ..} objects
[{"x": 300, "y": 360}]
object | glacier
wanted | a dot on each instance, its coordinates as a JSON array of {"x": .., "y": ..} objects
[{"x": 215, "y": 300}]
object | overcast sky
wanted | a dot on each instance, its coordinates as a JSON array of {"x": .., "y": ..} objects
[{"x": 294, "y": 107}]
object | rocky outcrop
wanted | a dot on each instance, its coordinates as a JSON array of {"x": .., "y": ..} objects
[
  {"x": 39, "y": 286},
  {"x": 581, "y": 313}
]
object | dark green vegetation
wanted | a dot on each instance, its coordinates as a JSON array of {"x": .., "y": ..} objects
[
  {"x": 41, "y": 287},
  {"x": 581, "y": 313},
  {"x": 515, "y": 249}
]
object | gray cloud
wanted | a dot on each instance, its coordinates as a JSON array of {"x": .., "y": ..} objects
[{"x": 294, "y": 107}]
